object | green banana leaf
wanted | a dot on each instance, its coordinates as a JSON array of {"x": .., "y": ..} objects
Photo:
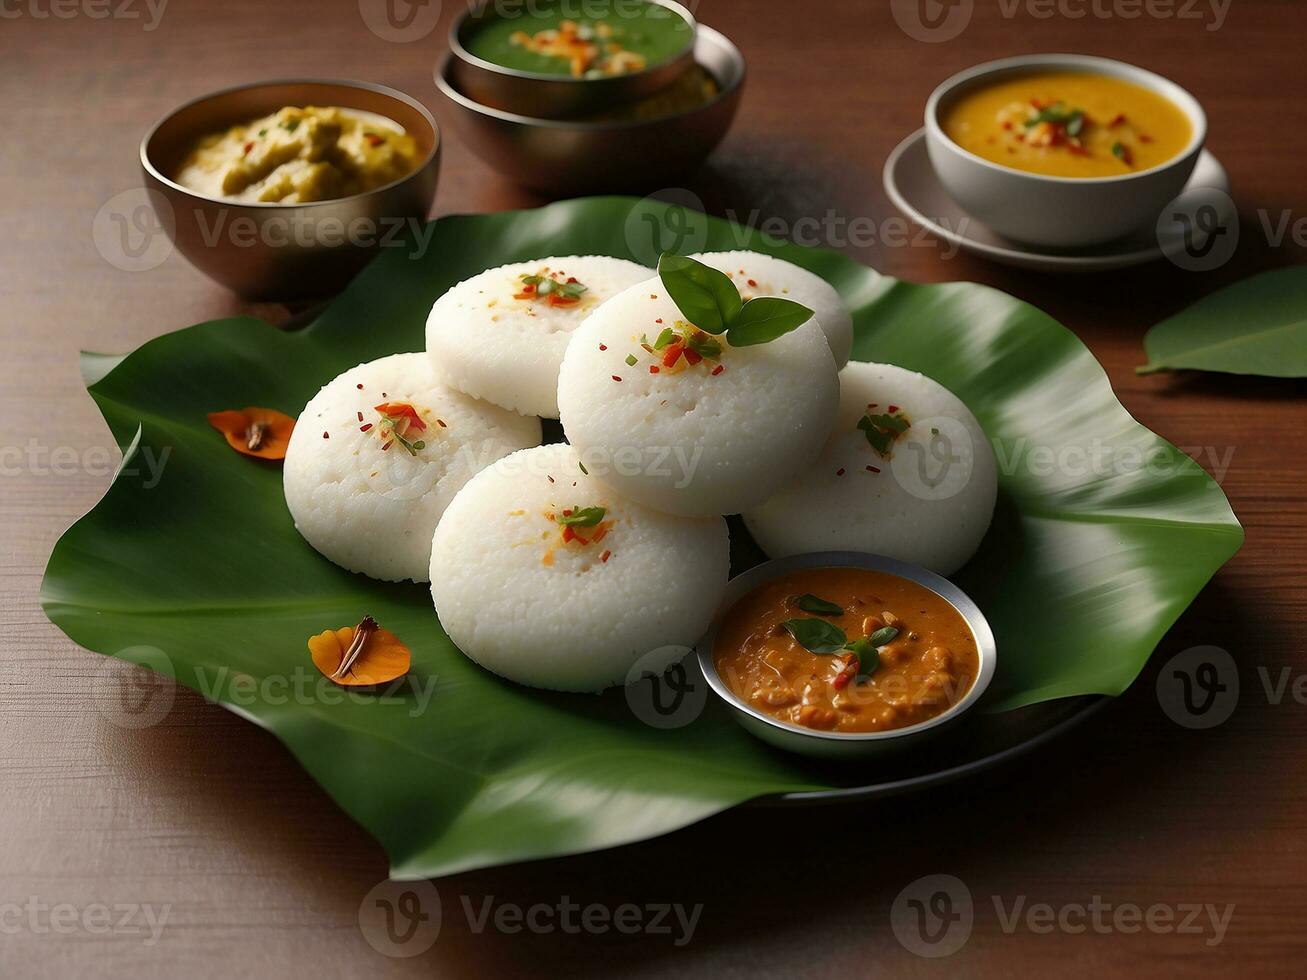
[
  {"x": 1256, "y": 326},
  {"x": 194, "y": 569}
]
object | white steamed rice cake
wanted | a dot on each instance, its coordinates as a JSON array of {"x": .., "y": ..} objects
[
  {"x": 927, "y": 498},
  {"x": 373, "y": 509},
  {"x": 696, "y": 439},
  {"x": 501, "y": 335},
  {"x": 629, "y": 585}
]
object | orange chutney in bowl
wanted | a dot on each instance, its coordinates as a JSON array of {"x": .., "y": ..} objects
[
  {"x": 1068, "y": 124},
  {"x": 846, "y": 650}
]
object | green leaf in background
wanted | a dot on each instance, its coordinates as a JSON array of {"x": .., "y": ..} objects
[
  {"x": 1084, "y": 569},
  {"x": 764, "y": 318},
  {"x": 705, "y": 296},
  {"x": 1256, "y": 326}
]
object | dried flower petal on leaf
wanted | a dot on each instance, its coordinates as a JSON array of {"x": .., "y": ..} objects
[{"x": 360, "y": 656}]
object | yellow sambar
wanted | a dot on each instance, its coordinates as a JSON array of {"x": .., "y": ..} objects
[{"x": 1068, "y": 124}]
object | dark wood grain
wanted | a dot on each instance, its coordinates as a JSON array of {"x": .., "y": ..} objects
[{"x": 264, "y": 875}]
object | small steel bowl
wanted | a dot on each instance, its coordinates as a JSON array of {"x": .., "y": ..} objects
[
  {"x": 286, "y": 251},
  {"x": 543, "y": 96},
  {"x": 848, "y": 745},
  {"x": 572, "y": 157}
]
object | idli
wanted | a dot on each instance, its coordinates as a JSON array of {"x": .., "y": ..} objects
[
  {"x": 547, "y": 577},
  {"x": 680, "y": 420},
  {"x": 908, "y": 473},
  {"x": 756, "y": 274},
  {"x": 501, "y": 335},
  {"x": 378, "y": 454}
]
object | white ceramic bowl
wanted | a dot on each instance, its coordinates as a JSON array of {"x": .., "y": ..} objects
[{"x": 1058, "y": 212}]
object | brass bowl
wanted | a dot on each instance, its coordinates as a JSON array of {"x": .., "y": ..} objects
[
  {"x": 551, "y": 96},
  {"x": 287, "y": 251},
  {"x": 569, "y": 157}
]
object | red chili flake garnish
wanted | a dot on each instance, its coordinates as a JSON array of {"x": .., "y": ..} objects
[
  {"x": 692, "y": 356},
  {"x": 603, "y": 347},
  {"x": 873, "y": 469},
  {"x": 373, "y": 139},
  {"x": 326, "y": 435},
  {"x": 248, "y": 147},
  {"x": 653, "y": 295},
  {"x": 616, "y": 378},
  {"x": 718, "y": 370},
  {"x": 359, "y": 387},
  {"x": 1145, "y": 138},
  {"x": 653, "y": 369},
  {"x": 892, "y": 409},
  {"x": 365, "y": 428},
  {"x": 360, "y": 414},
  {"x": 571, "y": 278},
  {"x": 386, "y": 445},
  {"x": 1008, "y": 124},
  {"x": 841, "y": 680},
  {"x": 605, "y": 556},
  {"x": 673, "y": 353},
  {"x": 1117, "y": 120},
  {"x": 840, "y": 471},
  {"x": 659, "y": 320},
  {"x": 441, "y": 423},
  {"x": 753, "y": 283}
]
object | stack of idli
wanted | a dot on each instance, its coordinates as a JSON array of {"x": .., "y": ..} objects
[
  {"x": 563, "y": 566},
  {"x": 378, "y": 454}
]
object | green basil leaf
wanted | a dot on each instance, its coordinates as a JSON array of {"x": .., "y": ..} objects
[
  {"x": 885, "y": 634},
  {"x": 822, "y": 607},
  {"x": 582, "y": 517},
  {"x": 868, "y": 657},
  {"x": 817, "y": 635},
  {"x": 764, "y": 318},
  {"x": 706, "y": 297}
]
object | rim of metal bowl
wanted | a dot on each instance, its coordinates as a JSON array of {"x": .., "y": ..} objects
[
  {"x": 746, "y": 582},
  {"x": 1088, "y": 706},
  {"x": 458, "y": 50},
  {"x": 385, "y": 90},
  {"x": 705, "y": 34}
]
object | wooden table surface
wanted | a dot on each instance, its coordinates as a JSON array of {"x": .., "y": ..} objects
[{"x": 208, "y": 822}]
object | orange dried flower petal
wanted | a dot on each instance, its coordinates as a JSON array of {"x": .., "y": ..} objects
[
  {"x": 237, "y": 426},
  {"x": 382, "y": 659}
]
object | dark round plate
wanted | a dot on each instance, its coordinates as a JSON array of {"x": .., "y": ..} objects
[{"x": 973, "y": 746}]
